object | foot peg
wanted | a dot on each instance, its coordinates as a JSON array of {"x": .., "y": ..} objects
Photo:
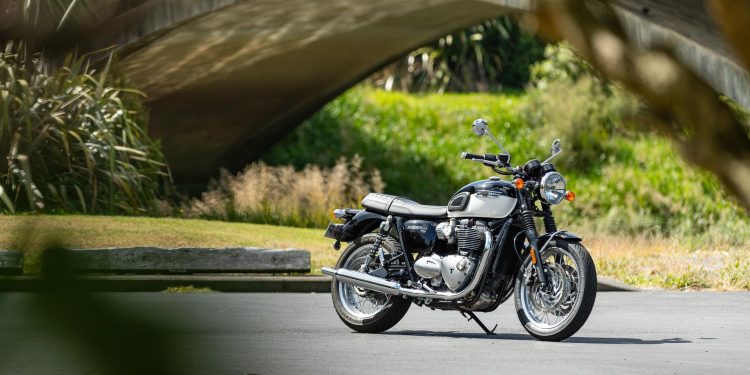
[{"x": 469, "y": 315}]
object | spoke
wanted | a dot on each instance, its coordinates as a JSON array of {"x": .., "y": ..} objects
[{"x": 553, "y": 308}]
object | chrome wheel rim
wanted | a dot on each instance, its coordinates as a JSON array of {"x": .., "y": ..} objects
[
  {"x": 553, "y": 308},
  {"x": 359, "y": 302}
]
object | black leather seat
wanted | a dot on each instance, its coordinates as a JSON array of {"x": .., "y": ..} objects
[{"x": 399, "y": 206}]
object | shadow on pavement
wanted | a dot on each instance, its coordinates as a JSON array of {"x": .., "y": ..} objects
[{"x": 521, "y": 337}]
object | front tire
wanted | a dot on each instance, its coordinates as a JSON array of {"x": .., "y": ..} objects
[
  {"x": 365, "y": 310},
  {"x": 558, "y": 313}
]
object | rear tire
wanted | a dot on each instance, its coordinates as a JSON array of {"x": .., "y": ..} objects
[
  {"x": 388, "y": 309},
  {"x": 557, "y": 314}
]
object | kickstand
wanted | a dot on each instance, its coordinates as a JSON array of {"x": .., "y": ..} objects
[{"x": 472, "y": 316}]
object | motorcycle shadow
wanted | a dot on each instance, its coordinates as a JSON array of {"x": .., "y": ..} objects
[{"x": 522, "y": 337}]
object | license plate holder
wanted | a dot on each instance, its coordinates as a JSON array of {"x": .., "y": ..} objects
[{"x": 334, "y": 231}]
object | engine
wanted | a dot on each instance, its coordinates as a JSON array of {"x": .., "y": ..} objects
[{"x": 452, "y": 259}]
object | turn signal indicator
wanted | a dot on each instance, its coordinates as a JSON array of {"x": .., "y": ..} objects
[{"x": 570, "y": 196}]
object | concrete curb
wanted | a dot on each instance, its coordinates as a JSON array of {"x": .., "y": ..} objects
[
  {"x": 221, "y": 283},
  {"x": 11, "y": 262},
  {"x": 157, "y": 260},
  {"x": 606, "y": 284}
]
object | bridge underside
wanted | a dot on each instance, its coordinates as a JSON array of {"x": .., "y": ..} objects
[{"x": 226, "y": 79}]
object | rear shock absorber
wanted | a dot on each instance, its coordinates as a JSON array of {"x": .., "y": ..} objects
[{"x": 385, "y": 228}]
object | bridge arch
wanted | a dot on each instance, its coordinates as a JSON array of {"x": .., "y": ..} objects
[{"x": 226, "y": 79}]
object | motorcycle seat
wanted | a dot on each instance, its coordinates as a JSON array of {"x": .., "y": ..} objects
[{"x": 400, "y": 206}]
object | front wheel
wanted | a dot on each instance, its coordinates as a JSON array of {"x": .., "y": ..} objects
[
  {"x": 364, "y": 310},
  {"x": 561, "y": 310}
]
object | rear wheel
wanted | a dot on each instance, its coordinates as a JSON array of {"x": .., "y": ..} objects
[
  {"x": 560, "y": 311},
  {"x": 364, "y": 310}
]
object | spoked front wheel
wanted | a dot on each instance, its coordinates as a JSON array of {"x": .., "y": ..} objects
[{"x": 560, "y": 310}]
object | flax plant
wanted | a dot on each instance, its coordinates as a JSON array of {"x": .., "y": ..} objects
[
  {"x": 490, "y": 56},
  {"x": 74, "y": 140}
]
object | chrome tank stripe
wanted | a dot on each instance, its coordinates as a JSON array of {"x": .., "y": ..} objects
[{"x": 495, "y": 207}]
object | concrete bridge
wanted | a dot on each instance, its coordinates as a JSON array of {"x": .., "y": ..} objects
[{"x": 226, "y": 79}]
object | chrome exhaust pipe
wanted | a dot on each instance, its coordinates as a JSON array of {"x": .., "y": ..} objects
[
  {"x": 378, "y": 284},
  {"x": 363, "y": 280}
]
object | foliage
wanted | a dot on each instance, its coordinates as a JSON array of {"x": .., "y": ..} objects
[
  {"x": 682, "y": 105},
  {"x": 636, "y": 184},
  {"x": 569, "y": 100},
  {"x": 281, "y": 195},
  {"x": 561, "y": 63},
  {"x": 414, "y": 141},
  {"x": 75, "y": 138},
  {"x": 490, "y": 56},
  {"x": 648, "y": 188}
]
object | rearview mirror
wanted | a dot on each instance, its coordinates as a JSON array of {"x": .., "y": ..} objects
[
  {"x": 479, "y": 126},
  {"x": 554, "y": 150},
  {"x": 556, "y": 147}
]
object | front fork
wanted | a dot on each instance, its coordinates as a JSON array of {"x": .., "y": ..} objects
[{"x": 527, "y": 216}]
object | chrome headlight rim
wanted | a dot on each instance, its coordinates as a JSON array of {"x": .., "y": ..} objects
[{"x": 544, "y": 189}]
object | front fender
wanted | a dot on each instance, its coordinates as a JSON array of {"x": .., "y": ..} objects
[{"x": 562, "y": 234}]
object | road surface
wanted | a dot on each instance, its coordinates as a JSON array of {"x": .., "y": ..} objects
[{"x": 638, "y": 333}]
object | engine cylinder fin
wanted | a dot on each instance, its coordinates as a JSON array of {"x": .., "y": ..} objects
[{"x": 469, "y": 239}]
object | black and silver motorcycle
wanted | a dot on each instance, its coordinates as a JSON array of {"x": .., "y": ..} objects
[{"x": 469, "y": 256}]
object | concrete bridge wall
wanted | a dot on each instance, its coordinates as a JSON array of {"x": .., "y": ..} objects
[{"x": 226, "y": 79}]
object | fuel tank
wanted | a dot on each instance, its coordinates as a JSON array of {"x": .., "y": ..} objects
[{"x": 492, "y": 198}]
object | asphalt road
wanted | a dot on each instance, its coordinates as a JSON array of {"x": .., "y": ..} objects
[{"x": 639, "y": 333}]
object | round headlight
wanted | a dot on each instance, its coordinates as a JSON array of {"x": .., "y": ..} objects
[{"x": 552, "y": 188}]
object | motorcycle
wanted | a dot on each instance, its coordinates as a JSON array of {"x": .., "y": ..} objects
[{"x": 471, "y": 255}]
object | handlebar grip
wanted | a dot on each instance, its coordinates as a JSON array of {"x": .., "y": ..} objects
[
  {"x": 467, "y": 155},
  {"x": 490, "y": 157}
]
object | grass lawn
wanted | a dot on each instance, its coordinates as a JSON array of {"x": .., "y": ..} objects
[
  {"x": 31, "y": 233},
  {"x": 640, "y": 261}
]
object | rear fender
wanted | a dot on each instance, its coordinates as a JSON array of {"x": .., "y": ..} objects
[{"x": 363, "y": 222}]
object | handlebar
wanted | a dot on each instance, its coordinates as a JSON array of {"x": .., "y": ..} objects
[
  {"x": 485, "y": 157},
  {"x": 495, "y": 161}
]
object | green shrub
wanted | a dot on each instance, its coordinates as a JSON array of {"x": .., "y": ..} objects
[
  {"x": 634, "y": 183},
  {"x": 75, "y": 138},
  {"x": 569, "y": 100},
  {"x": 414, "y": 141},
  {"x": 626, "y": 182},
  {"x": 560, "y": 63}
]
